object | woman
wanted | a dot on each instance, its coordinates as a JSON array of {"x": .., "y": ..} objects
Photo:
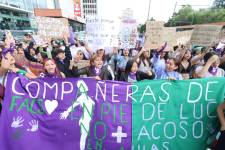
[
  {"x": 159, "y": 61},
  {"x": 211, "y": 67},
  {"x": 185, "y": 66},
  {"x": 120, "y": 61},
  {"x": 144, "y": 62},
  {"x": 132, "y": 74},
  {"x": 96, "y": 69},
  {"x": 170, "y": 72},
  {"x": 7, "y": 63},
  {"x": 31, "y": 54},
  {"x": 79, "y": 61},
  {"x": 51, "y": 70}
]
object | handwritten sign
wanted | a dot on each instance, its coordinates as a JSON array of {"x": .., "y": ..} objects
[
  {"x": 52, "y": 27},
  {"x": 100, "y": 32},
  {"x": 82, "y": 64},
  {"x": 128, "y": 33},
  {"x": 205, "y": 35},
  {"x": 154, "y": 34}
]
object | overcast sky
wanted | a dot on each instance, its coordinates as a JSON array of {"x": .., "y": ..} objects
[{"x": 160, "y": 10}]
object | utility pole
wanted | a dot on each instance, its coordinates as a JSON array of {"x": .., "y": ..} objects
[
  {"x": 149, "y": 6},
  {"x": 171, "y": 23},
  {"x": 175, "y": 8}
]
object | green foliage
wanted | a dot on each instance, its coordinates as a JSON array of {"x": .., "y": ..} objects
[
  {"x": 142, "y": 28},
  {"x": 188, "y": 16}
]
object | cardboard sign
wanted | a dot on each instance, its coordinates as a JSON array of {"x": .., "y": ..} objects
[
  {"x": 205, "y": 35},
  {"x": 52, "y": 27},
  {"x": 9, "y": 38},
  {"x": 38, "y": 40},
  {"x": 82, "y": 64}
]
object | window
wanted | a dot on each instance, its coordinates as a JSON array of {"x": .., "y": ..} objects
[
  {"x": 42, "y": 4},
  {"x": 3, "y": 1},
  {"x": 28, "y": 5},
  {"x": 34, "y": 3}
]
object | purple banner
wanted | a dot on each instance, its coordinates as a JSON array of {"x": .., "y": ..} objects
[{"x": 66, "y": 114}]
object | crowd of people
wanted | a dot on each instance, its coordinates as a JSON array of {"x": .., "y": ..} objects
[{"x": 62, "y": 58}]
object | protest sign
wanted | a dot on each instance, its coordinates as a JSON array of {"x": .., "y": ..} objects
[
  {"x": 81, "y": 35},
  {"x": 82, "y": 64},
  {"x": 38, "y": 40},
  {"x": 78, "y": 113},
  {"x": 154, "y": 34},
  {"x": 101, "y": 32},
  {"x": 128, "y": 33},
  {"x": 9, "y": 38},
  {"x": 183, "y": 37},
  {"x": 205, "y": 35},
  {"x": 52, "y": 27}
]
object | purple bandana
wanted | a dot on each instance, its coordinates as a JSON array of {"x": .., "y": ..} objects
[
  {"x": 132, "y": 76},
  {"x": 97, "y": 71},
  {"x": 6, "y": 50},
  {"x": 214, "y": 71}
]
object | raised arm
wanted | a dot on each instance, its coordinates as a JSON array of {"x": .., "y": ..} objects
[{"x": 205, "y": 68}]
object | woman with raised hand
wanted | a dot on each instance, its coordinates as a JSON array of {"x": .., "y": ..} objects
[
  {"x": 159, "y": 60},
  {"x": 170, "y": 70},
  {"x": 211, "y": 67}
]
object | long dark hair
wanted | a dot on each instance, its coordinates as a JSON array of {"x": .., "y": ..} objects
[
  {"x": 207, "y": 57},
  {"x": 2, "y": 46},
  {"x": 186, "y": 53},
  {"x": 142, "y": 58},
  {"x": 129, "y": 66}
]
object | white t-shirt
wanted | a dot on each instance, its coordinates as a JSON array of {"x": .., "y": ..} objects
[{"x": 220, "y": 72}]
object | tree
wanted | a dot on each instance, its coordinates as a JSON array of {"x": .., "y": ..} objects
[
  {"x": 188, "y": 16},
  {"x": 185, "y": 16},
  {"x": 142, "y": 28}
]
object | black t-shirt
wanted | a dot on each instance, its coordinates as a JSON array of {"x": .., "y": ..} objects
[
  {"x": 221, "y": 142},
  {"x": 222, "y": 66}
]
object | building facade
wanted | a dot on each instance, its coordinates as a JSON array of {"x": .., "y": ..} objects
[
  {"x": 90, "y": 7},
  {"x": 19, "y": 15},
  {"x": 70, "y": 9}
]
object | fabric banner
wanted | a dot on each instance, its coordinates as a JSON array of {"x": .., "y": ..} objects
[
  {"x": 178, "y": 115},
  {"x": 72, "y": 114},
  {"x": 68, "y": 114}
]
